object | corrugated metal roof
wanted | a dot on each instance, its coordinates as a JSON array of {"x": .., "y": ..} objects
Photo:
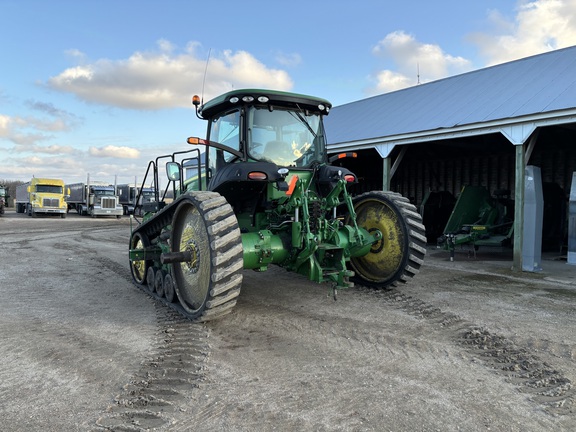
[{"x": 534, "y": 85}]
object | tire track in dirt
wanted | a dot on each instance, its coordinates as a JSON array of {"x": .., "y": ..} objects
[
  {"x": 545, "y": 384},
  {"x": 61, "y": 341},
  {"x": 324, "y": 356},
  {"x": 161, "y": 388},
  {"x": 157, "y": 395}
]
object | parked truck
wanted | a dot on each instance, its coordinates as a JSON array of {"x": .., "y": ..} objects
[
  {"x": 94, "y": 198},
  {"x": 42, "y": 196},
  {"x": 132, "y": 197},
  {"x": 3, "y": 198}
]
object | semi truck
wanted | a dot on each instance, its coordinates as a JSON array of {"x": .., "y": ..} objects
[
  {"x": 132, "y": 197},
  {"x": 3, "y": 198},
  {"x": 94, "y": 198},
  {"x": 42, "y": 196}
]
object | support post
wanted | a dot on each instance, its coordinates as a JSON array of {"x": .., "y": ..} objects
[
  {"x": 519, "y": 206},
  {"x": 572, "y": 222},
  {"x": 386, "y": 173},
  {"x": 389, "y": 170},
  {"x": 533, "y": 219}
]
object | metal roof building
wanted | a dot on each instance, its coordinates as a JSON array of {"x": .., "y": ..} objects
[{"x": 480, "y": 127}]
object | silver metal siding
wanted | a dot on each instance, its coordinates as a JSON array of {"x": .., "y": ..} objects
[{"x": 533, "y": 85}]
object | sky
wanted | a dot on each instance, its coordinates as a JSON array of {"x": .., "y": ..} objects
[{"x": 101, "y": 87}]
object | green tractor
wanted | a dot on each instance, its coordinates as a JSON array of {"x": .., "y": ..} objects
[
  {"x": 3, "y": 198},
  {"x": 263, "y": 192}
]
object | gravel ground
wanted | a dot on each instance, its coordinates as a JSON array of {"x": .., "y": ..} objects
[{"x": 467, "y": 345}]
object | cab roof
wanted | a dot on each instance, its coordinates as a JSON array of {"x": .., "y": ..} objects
[{"x": 263, "y": 97}]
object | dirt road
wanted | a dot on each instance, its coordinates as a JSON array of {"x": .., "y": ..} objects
[{"x": 465, "y": 346}]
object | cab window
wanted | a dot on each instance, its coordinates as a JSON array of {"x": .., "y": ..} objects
[{"x": 224, "y": 130}]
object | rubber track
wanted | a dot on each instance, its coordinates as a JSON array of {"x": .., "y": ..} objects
[{"x": 225, "y": 251}]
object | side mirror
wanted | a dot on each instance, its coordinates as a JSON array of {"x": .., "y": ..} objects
[{"x": 173, "y": 171}]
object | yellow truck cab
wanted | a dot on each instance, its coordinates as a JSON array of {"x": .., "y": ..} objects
[{"x": 42, "y": 196}]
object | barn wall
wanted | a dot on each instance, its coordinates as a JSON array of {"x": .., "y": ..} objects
[
  {"x": 417, "y": 177},
  {"x": 449, "y": 165}
]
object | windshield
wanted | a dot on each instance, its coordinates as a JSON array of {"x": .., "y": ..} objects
[
  {"x": 48, "y": 188},
  {"x": 104, "y": 192},
  {"x": 287, "y": 138}
]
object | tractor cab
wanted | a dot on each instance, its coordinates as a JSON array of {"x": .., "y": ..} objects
[
  {"x": 268, "y": 127},
  {"x": 260, "y": 142}
]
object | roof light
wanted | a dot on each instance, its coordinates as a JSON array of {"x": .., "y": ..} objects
[
  {"x": 234, "y": 99},
  {"x": 263, "y": 99},
  {"x": 248, "y": 99},
  {"x": 321, "y": 107},
  {"x": 195, "y": 100},
  {"x": 257, "y": 175}
]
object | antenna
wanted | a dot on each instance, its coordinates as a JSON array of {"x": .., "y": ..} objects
[
  {"x": 205, "y": 71},
  {"x": 418, "y": 73}
]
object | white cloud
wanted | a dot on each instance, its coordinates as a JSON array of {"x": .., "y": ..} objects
[
  {"x": 56, "y": 125},
  {"x": 52, "y": 149},
  {"x": 29, "y": 130},
  {"x": 35, "y": 149},
  {"x": 34, "y": 161},
  {"x": 14, "y": 129},
  {"x": 42, "y": 166},
  {"x": 75, "y": 54},
  {"x": 539, "y": 26},
  {"x": 412, "y": 59},
  {"x": 71, "y": 169},
  {"x": 5, "y": 123},
  {"x": 165, "y": 79},
  {"x": 115, "y": 152},
  {"x": 165, "y": 46},
  {"x": 288, "y": 60},
  {"x": 389, "y": 81}
]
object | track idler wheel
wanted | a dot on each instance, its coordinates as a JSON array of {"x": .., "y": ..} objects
[
  {"x": 206, "y": 238},
  {"x": 400, "y": 253},
  {"x": 139, "y": 269}
]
